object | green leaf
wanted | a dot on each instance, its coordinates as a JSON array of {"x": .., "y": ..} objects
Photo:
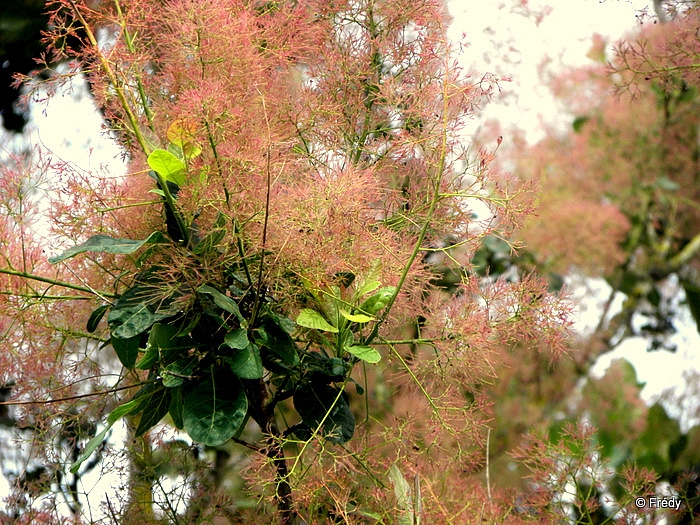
[
  {"x": 404, "y": 497},
  {"x": 237, "y": 339},
  {"x": 312, "y": 319},
  {"x": 654, "y": 446},
  {"x": 96, "y": 316},
  {"x": 127, "y": 321},
  {"x": 365, "y": 353},
  {"x": 165, "y": 340},
  {"x": 127, "y": 350},
  {"x": 156, "y": 405},
  {"x": 367, "y": 287},
  {"x": 214, "y": 409},
  {"x": 692, "y": 297},
  {"x": 356, "y": 318},
  {"x": 148, "y": 360},
  {"x": 167, "y": 166},
  {"x": 222, "y": 301},
  {"x": 123, "y": 410},
  {"x": 278, "y": 341},
  {"x": 131, "y": 315},
  {"x": 90, "y": 448},
  {"x": 579, "y": 122},
  {"x": 314, "y": 403},
  {"x": 107, "y": 244},
  {"x": 322, "y": 369},
  {"x": 246, "y": 363},
  {"x": 176, "y": 407},
  {"x": 338, "y": 367},
  {"x": 97, "y": 440},
  {"x": 667, "y": 184},
  {"x": 285, "y": 323},
  {"x": 171, "y": 373},
  {"x": 378, "y": 300},
  {"x": 371, "y": 279}
]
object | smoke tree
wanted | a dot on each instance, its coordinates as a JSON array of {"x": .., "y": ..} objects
[
  {"x": 618, "y": 200},
  {"x": 281, "y": 293}
]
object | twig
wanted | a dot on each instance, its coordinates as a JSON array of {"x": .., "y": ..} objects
[
  {"x": 56, "y": 282},
  {"x": 70, "y": 398}
]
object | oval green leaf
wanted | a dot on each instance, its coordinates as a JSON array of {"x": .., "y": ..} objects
[
  {"x": 168, "y": 166},
  {"x": 378, "y": 300},
  {"x": 107, "y": 244},
  {"x": 324, "y": 406},
  {"x": 237, "y": 339},
  {"x": 96, "y": 316},
  {"x": 356, "y": 318},
  {"x": 365, "y": 353},
  {"x": 312, "y": 319},
  {"x": 222, "y": 301},
  {"x": 215, "y": 409},
  {"x": 246, "y": 363}
]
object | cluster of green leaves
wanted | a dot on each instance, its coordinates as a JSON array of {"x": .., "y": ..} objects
[
  {"x": 340, "y": 330},
  {"x": 207, "y": 350}
]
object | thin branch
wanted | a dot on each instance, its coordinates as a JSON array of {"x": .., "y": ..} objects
[
  {"x": 256, "y": 305},
  {"x": 55, "y": 282},
  {"x": 71, "y": 398},
  {"x": 689, "y": 251},
  {"x": 118, "y": 88}
]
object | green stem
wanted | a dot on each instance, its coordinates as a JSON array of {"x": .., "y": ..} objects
[
  {"x": 257, "y": 303},
  {"x": 111, "y": 75},
  {"x": 686, "y": 254},
  {"x": 425, "y": 393},
  {"x": 56, "y": 282},
  {"x": 435, "y": 198},
  {"x": 129, "y": 39}
]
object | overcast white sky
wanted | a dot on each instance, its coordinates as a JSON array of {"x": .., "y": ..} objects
[{"x": 508, "y": 39}]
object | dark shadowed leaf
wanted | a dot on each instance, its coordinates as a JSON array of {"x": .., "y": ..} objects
[
  {"x": 692, "y": 296},
  {"x": 315, "y": 403},
  {"x": 279, "y": 342},
  {"x": 214, "y": 410},
  {"x": 579, "y": 122},
  {"x": 285, "y": 323},
  {"x": 131, "y": 315},
  {"x": 175, "y": 373},
  {"x": 165, "y": 340},
  {"x": 155, "y": 405},
  {"x": 127, "y": 350},
  {"x": 176, "y": 407},
  {"x": 96, "y": 316},
  {"x": 246, "y": 363},
  {"x": 131, "y": 320},
  {"x": 222, "y": 301}
]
